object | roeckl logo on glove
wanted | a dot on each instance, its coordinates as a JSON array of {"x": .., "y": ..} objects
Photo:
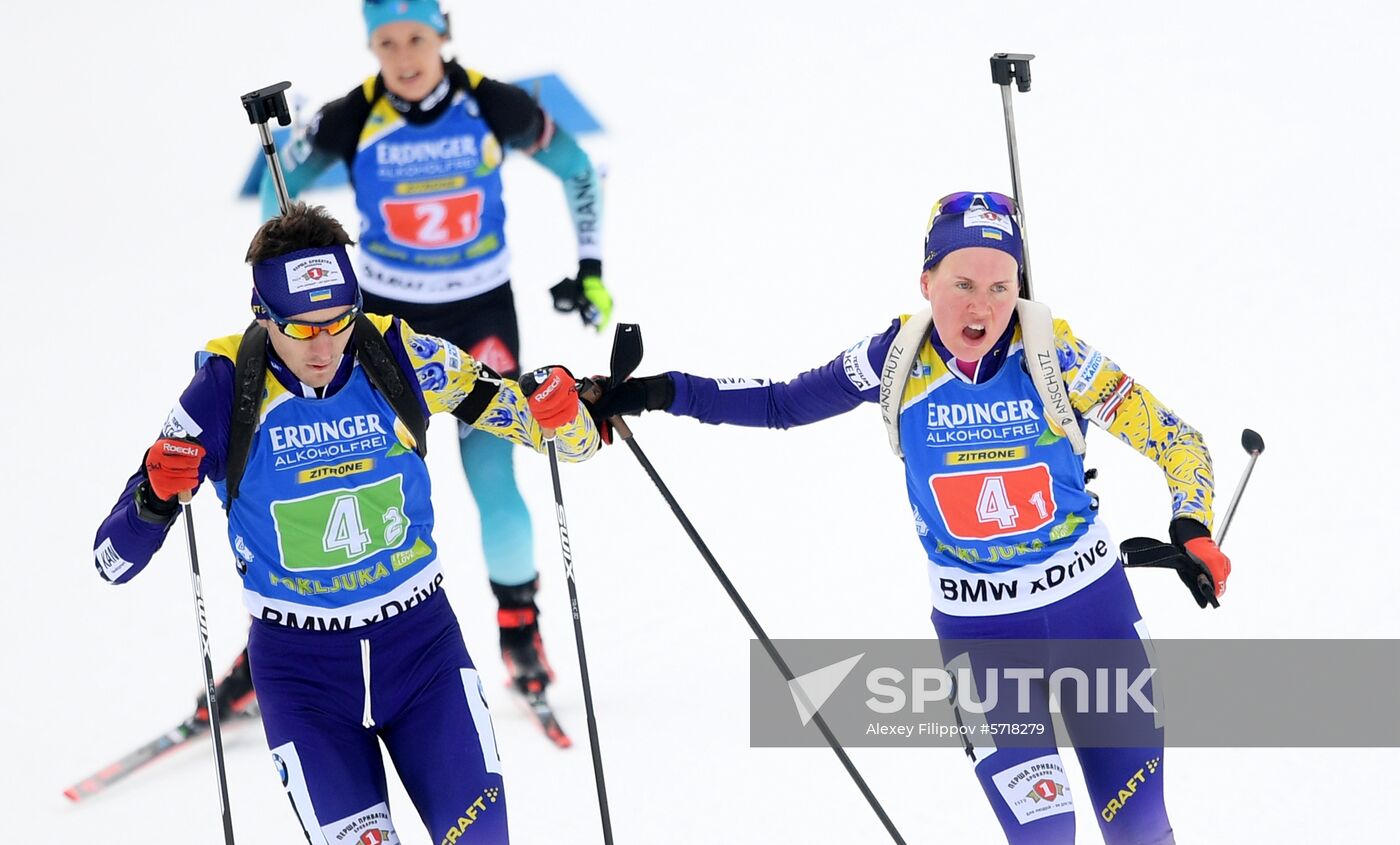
[
  {"x": 176, "y": 449},
  {"x": 546, "y": 390}
]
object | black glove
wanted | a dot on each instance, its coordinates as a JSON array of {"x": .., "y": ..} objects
[
  {"x": 631, "y": 397},
  {"x": 1209, "y": 567}
]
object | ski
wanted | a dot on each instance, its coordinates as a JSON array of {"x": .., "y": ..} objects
[
  {"x": 177, "y": 737},
  {"x": 544, "y": 714}
]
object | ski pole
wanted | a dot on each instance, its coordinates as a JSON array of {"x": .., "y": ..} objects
[
  {"x": 1005, "y": 68},
  {"x": 1254, "y": 445},
  {"x": 528, "y": 383},
  {"x": 210, "y": 699},
  {"x": 1147, "y": 552},
  {"x": 627, "y": 353},
  {"x": 262, "y": 105}
]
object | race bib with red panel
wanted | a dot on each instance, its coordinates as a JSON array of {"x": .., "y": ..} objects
[
  {"x": 982, "y": 505},
  {"x": 435, "y": 223},
  {"x": 430, "y": 199}
]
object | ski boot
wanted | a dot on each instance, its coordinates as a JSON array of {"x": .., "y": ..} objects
[
  {"x": 233, "y": 693},
  {"x": 523, "y": 653}
]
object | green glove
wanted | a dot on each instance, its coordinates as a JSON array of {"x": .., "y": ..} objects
[{"x": 585, "y": 294}]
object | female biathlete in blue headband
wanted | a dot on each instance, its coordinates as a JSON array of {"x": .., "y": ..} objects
[
  {"x": 353, "y": 641},
  {"x": 423, "y": 141},
  {"x": 1015, "y": 548}
]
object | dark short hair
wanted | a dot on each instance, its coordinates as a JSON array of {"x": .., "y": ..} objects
[{"x": 301, "y": 227}]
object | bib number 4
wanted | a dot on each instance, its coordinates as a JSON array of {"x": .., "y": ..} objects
[
  {"x": 345, "y": 531},
  {"x": 438, "y": 223},
  {"x": 985, "y": 505},
  {"x": 340, "y": 527}
]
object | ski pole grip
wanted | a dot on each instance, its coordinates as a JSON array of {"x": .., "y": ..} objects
[
  {"x": 266, "y": 103},
  {"x": 1009, "y": 66},
  {"x": 589, "y": 391},
  {"x": 620, "y": 427}
]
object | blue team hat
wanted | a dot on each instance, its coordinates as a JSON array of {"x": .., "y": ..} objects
[
  {"x": 969, "y": 218},
  {"x": 302, "y": 281},
  {"x": 380, "y": 12}
]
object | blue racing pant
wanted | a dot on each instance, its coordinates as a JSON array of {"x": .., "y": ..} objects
[
  {"x": 329, "y": 698},
  {"x": 1025, "y": 781}
]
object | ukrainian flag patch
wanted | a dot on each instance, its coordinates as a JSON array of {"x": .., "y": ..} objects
[
  {"x": 992, "y": 234},
  {"x": 320, "y": 295}
]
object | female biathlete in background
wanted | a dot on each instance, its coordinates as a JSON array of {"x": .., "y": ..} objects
[
  {"x": 998, "y": 493},
  {"x": 330, "y": 520},
  {"x": 423, "y": 142}
]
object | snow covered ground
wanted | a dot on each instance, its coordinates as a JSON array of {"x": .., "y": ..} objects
[{"x": 1211, "y": 195}]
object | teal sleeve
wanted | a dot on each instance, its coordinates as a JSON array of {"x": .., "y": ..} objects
[
  {"x": 299, "y": 177},
  {"x": 582, "y": 190}
]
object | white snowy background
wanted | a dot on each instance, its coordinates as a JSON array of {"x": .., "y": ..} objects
[{"x": 1211, "y": 194}]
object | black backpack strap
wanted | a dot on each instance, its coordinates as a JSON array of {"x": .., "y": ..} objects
[
  {"x": 389, "y": 379},
  {"x": 249, "y": 375}
]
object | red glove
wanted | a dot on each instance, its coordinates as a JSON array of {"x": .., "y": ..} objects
[
  {"x": 1203, "y": 550},
  {"x": 553, "y": 396},
  {"x": 172, "y": 466}
]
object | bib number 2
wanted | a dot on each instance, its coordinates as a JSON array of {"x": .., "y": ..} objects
[
  {"x": 985, "y": 505},
  {"x": 437, "y": 223}
]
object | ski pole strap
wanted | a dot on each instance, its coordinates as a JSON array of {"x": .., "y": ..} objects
[
  {"x": 1043, "y": 364},
  {"x": 1147, "y": 552}
]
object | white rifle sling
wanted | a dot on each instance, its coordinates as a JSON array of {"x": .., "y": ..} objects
[
  {"x": 1043, "y": 365},
  {"x": 1038, "y": 340},
  {"x": 904, "y": 351}
]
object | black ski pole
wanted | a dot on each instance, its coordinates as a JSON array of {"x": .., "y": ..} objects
[
  {"x": 627, "y": 353},
  {"x": 1147, "y": 552},
  {"x": 528, "y": 383},
  {"x": 1254, "y": 445},
  {"x": 210, "y": 699},
  {"x": 1005, "y": 68}
]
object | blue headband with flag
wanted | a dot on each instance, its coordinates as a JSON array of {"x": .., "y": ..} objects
[
  {"x": 972, "y": 219},
  {"x": 305, "y": 280},
  {"x": 380, "y": 12}
]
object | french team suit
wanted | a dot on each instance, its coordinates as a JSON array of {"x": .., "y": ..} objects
[
  {"x": 353, "y": 641},
  {"x": 1015, "y": 549},
  {"x": 432, "y": 243}
]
